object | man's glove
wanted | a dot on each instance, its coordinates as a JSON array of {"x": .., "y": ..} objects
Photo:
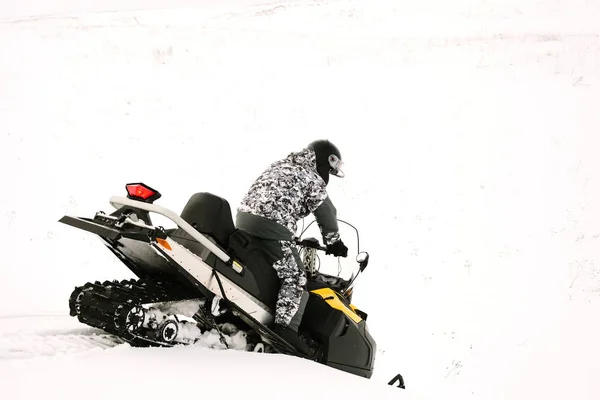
[{"x": 337, "y": 249}]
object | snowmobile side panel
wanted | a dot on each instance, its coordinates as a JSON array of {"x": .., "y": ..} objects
[
  {"x": 347, "y": 345},
  {"x": 147, "y": 261},
  {"x": 255, "y": 275},
  {"x": 334, "y": 302},
  {"x": 201, "y": 274}
]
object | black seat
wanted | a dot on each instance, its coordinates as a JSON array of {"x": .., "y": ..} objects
[{"x": 211, "y": 215}]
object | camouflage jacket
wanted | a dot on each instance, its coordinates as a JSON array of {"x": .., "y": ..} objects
[{"x": 289, "y": 190}]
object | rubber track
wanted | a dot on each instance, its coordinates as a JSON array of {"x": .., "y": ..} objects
[{"x": 105, "y": 305}]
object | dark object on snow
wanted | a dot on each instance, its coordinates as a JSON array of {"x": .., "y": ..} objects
[{"x": 398, "y": 378}]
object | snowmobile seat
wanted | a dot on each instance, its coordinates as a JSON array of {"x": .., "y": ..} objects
[{"x": 210, "y": 215}]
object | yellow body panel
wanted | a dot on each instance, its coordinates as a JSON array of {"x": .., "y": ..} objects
[{"x": 334, "y": 301}]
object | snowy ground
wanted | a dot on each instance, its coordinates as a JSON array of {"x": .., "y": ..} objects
[
  {"x": 469, "y": 130},
  {"x": 64, "y": 360}
]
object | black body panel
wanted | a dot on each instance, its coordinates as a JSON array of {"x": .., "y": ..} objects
[
  {"x": 258, "y": 278},
  {"x": 346, "y": 345},
  {"x": 131, "y": 246}
]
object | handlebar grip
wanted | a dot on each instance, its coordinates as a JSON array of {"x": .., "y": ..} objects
[{"x": 311, "y": 243}]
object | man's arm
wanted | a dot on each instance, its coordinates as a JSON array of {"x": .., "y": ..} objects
[
  {"x": 326, "y": 216},
  {"x": 325, "y": 213}
]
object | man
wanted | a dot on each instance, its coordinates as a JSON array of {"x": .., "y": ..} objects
[{"x": 289, "y": 190}]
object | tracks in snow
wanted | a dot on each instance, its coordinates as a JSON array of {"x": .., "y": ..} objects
[{"x": 26, "y": 337}]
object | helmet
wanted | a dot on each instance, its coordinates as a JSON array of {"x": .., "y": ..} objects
[{"x": 329, "y": 159}]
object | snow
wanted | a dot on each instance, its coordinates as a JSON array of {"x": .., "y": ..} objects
[
  {"x": 469, "y": 132},
  {"x": 120, "y": 371}
]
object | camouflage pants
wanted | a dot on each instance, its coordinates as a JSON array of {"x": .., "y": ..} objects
[{"x": 293, "y": 281}]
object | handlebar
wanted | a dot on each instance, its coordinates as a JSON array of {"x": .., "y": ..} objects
[
  {"x": 362, "y": 258},
  {"x": 310, "y": 243}
]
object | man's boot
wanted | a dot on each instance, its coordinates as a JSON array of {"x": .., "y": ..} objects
[{"x": 290, "y": 332}]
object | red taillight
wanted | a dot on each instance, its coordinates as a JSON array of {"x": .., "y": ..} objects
[{"x": 141, "y": 191}]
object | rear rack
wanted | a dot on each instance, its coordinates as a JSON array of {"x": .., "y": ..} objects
[{"x": 118, "y": 202}]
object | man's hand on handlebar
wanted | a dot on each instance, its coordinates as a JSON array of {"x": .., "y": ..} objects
[
  {"x": 338, "y": 249},
  {"x": 310, "y": 243}
]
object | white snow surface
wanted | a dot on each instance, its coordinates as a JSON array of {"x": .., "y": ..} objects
[{"x": 470, "y": 135}]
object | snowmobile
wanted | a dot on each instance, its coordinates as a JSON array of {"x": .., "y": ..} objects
[{"x": 204, "y": 274}]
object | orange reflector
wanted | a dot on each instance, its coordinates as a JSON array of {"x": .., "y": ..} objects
[{"x": 164, "y": 243}]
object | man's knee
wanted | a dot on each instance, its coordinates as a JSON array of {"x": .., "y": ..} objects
[{"x": 292, "y": 291}]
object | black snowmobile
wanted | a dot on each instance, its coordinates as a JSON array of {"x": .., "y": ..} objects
[{"x": 206, "y": 274}]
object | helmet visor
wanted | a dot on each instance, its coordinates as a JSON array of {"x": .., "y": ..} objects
[{"x": 335, "y": 166}]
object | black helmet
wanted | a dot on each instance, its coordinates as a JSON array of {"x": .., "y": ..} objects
[{"x": 329, "y": 159}]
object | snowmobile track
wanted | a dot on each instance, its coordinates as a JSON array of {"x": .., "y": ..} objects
[{"x": 111, "y": 305}]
